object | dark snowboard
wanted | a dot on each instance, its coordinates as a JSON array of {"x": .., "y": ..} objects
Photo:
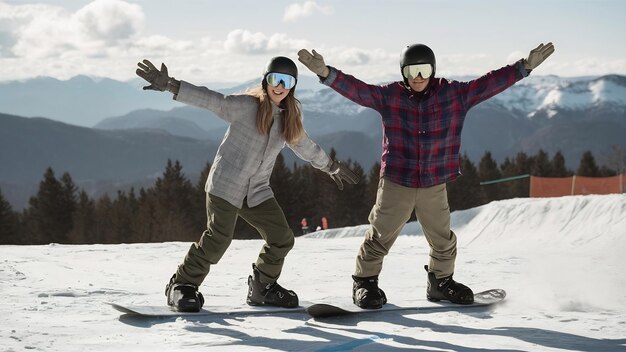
[{"x": 481, "y": 299}]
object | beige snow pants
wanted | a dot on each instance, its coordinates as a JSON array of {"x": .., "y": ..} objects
[{"x": 394, "y": 204}]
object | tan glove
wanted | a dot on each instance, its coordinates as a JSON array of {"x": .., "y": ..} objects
[
  {"x": 159, "y": 80},
  {"x": 538, "y": 55},
  {"x": 340, "y": 172},
  {"x": 314, "y": 62}
]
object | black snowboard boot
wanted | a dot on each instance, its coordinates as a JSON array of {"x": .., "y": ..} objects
[
  {"x": 447, "y": 289},
  {"x": 183, "y": 297},
  {"x": 366, "y": 293},
  {"x": 272, "y": 294}
]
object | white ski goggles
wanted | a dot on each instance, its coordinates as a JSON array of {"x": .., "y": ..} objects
[
  {"x": 412, "y": 71},
  {"x": 275, "y": 78}
]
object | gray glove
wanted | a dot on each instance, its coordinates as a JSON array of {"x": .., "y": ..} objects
[
  {"x": 538, "y": 55},
  {"x": 314, "y": 62},
  {"x": 158, "y": 79},
  {"x": 340, "y": 172}
]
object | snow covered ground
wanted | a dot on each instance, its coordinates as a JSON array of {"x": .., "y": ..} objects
[{"x": 561, "y": 261}]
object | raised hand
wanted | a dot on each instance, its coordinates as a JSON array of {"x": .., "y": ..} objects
[
  {"x": 157, "y": 79},
  {"x": 314, "y": 62},
  {"x": 538, "y": 55}
]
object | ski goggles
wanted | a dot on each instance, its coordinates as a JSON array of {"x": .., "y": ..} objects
[
  {"x": 412, "y": 71},
  {"x": 275, "y": 78}
]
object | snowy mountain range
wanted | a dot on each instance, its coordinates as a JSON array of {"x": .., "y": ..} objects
[
  {"x": 571, "y": 115},
  {"x": 86, "y": 101},
  {"x": 132, "y": 132}
]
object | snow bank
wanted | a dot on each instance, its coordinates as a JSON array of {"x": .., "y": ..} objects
[{"x": 575, "y": 221}]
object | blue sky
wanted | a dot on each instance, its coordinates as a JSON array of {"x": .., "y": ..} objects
[{"x": 231, "y": 41}]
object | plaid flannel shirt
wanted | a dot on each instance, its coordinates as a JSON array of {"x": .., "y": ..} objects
[{"x": 422, "y": 131}]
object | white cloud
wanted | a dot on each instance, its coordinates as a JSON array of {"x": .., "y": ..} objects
[
  {"x": 294, "y": 12},
  {"x": 40, "y": 31},
  {"x": 245, "y": 42},
  {"x": 110, "y": 20},
  {"x": 242, "y": 41},
  {"x": 355, "y": 56}
]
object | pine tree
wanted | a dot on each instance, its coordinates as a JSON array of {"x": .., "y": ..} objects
[
  {"x": 103, "y": 229},
  {"x": 558, "y": 166},
  {"x": 520, "y": 166},
  {"x": 84, "y": 220},
  {"x": 465, "y": 192},
  {"x": 49, "y": 216},
  {"x": 488, "y": 171},
  {"x": 9, "y": 223},
  {"x": 616, "y": 160},
  {"x": 68, "y": 202},
  {"x": 588, "y": 166},
  {"x": 541, "y": 166},
  {"x": 123, "y": 213},
  {"x": 174, "y": 195},
  {"x": 145, "y": 224},
  {"x": 352, "y": 204}
]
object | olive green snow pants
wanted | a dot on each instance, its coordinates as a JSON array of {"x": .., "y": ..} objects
[
  {"x": 268, "y": 218},
  {"x": 394, "y": 204}
]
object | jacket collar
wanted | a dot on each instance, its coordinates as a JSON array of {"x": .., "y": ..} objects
[{"x": 413, "y": 95}]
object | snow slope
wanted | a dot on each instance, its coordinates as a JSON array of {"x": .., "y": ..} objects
[{"x": 560, "y": 259}]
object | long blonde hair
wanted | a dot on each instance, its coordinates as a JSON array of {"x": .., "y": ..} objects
[{"x": 291, "y": 122}]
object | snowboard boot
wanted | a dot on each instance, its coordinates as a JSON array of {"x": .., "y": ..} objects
[
  {"x": 183, "y": 297},
  {"x": 272, "y": 294},
  {"x": 447, "y": 289},
  {"x": 366, "y": 293}
]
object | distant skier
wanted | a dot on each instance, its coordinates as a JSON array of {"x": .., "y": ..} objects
[
  {"x": 422, "y": 118},
  {"x": 261, "y": 122},
  {"x": 305, "y": 226}
]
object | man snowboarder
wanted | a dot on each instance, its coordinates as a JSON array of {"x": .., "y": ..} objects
[{"x": 422, "y": 119}]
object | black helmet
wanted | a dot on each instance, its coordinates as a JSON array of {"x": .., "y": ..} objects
[
  {"x": 417, "y": 54},
  {"x": 281, "y": 64}
]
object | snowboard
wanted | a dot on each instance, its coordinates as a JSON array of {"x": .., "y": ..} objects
[
  {"x": 166, "y": 311},
  {"x": 481, "y": 299}
]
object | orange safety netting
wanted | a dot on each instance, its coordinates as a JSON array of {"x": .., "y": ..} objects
[{"x": 576, "y": 185}]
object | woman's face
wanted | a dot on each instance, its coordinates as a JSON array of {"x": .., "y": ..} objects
[{"x": 277, "y": 94}]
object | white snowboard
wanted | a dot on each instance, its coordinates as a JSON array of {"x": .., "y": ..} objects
[{"x": 166, "y": 311}]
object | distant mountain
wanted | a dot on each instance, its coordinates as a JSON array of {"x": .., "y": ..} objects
[
  {"x": 183, "y": 121},
  {"x": 570, "y": 115},
  {"x": 29, "y": 145},
  {"x": 80, "y": 101}
]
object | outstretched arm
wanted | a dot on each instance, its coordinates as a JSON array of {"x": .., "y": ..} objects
[
  {"x": 350, "y": 87},
  {"x": 227, "y": 107},
  {"x": 496, "y": 81},
  {"x": 310, "y": 151}
]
